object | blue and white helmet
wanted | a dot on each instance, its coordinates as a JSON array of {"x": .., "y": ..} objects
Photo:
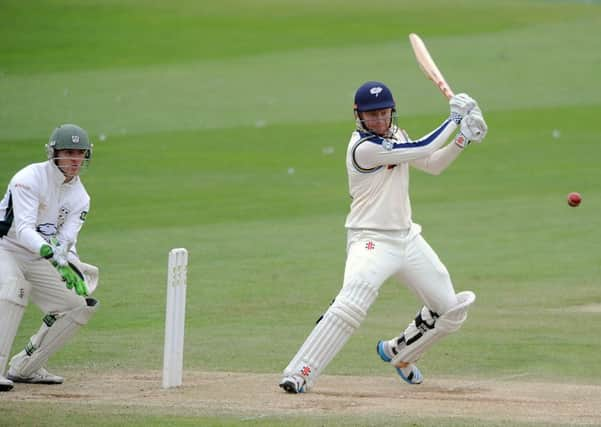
[{"x": 373, "y": 96}]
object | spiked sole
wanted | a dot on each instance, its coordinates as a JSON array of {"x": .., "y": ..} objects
[
  {"x": 289, "y": 387},
  {"x": 32, "y": 381}
]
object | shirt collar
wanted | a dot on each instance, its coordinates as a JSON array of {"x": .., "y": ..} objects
[{"x": 58, "y": 176}]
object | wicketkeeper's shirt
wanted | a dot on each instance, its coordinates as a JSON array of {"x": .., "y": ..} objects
[{"x": 38, "y": 205}]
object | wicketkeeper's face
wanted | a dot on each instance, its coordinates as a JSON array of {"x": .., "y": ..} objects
[
  {"x": 377, "y": 121},
  {"x": 70, "y": 161}
]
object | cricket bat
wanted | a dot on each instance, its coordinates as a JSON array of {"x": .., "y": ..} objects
[{"x": 428, "y": 66}]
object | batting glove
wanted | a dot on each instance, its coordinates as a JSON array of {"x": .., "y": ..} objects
[
  {"x": 461, "y": 104},
  {"x": 473, "y": 128}
]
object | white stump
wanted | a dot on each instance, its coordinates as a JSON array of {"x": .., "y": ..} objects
[{"x": 173, "y": 355}]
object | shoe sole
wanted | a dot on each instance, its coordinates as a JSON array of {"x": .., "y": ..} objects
[
  {"x": 6, "y": 387},
  {"x": 409, "y": 380},
  {"x": 26, "y": 381},
  {"x": 290, "y": 387}
]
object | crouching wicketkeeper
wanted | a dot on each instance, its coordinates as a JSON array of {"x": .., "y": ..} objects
[{"x": 41, "y": 214}]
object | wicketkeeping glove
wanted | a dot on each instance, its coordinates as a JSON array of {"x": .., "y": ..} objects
[
  {"x": 55, "y": 252},
  {"x": 73, "y": 280},
  {"x": 57, "y": 256}
]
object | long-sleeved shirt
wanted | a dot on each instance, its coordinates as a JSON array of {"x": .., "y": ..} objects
[
  {"x": 39, "y": 205},
  {"x": 378, "y": 174}
]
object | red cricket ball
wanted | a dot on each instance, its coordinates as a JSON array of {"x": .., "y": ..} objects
[{"x": 574, "y": 199}]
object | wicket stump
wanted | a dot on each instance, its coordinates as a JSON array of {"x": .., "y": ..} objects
[{"x": 173, "y": 354}]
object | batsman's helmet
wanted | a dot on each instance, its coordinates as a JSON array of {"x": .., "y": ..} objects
[
  {"x": 69, "y": 137},
  {"x": 373, "y": 96}
]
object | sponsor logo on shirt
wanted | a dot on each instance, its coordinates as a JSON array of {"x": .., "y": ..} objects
[
  {"x": 305, "y": 371},
  {"x": 19, "y": 185},
  {"x": 48, "y": 230}
]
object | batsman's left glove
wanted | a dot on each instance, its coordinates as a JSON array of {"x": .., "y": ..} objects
[{"x": 473, "y": 128}]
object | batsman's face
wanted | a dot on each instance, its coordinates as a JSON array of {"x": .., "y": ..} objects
[
  {"x": 377, "y": 121},
  {"x": 70, "y": 161}
]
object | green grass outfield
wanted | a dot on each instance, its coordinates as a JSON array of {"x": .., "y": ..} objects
[{"x": 222, "y": 128}]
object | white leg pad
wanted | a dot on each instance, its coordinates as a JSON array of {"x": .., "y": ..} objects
[
  {"x": 55, "y": 331},
  {"x": 427, "y": 328},
  {"x": 14, "y": 295},
  {"x": 332, "y": 331}
]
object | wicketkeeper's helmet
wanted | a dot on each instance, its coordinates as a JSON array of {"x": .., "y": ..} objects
[
  {"x": 68, "y": 137},
  {"x": 373, "y": 96}
]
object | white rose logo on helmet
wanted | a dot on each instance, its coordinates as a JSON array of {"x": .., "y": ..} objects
[{"x": 376, "y": 90}]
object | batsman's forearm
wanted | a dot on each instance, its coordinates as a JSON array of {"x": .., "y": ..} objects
[
  {"x": 423, "y": 147},
  {"x": 439, "y": 160}
]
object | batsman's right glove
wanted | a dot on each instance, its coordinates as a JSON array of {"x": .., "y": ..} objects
[
  {"x": 461, "y": 104},
  {"x": 57, "y": 255}
]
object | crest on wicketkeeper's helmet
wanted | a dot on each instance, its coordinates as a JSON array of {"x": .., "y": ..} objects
[{"x": 66, "y": 137}]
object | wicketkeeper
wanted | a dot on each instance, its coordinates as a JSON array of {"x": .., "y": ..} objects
[
  {"x": 41, "y": 214},
  {"x": 384, "y": 242}
]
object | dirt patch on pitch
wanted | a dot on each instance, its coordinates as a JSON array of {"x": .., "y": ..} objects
[{"x": 256, "y": 395}]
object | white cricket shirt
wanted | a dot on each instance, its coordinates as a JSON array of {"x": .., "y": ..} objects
[
  {"x": 378, "y": 174},
  {"x": 38, "y": 205}
]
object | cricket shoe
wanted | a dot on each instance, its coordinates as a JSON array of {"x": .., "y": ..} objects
[
  {"x": 5, "y": 384},
  {"x": 410, "y": 373},
  {"x": 41, "y": 376},
  {"x": 293, "y": 384}
]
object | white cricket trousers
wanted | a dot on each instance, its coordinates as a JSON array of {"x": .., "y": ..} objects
[
  {"x": 373, "y": 256},
  {"x": 25, "y": 276},
  {"x": 37, "y": 278}
]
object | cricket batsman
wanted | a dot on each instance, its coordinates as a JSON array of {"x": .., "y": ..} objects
[
  {"x": 384, "y": 242},
  {"x": 41, "y": 214}
]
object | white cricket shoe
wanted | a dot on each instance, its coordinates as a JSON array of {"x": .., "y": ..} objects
[
  {"x": 5, "y": 384},
  {"x": 41, "y": 376},
  {"x": 409, "y": 373},
  {"x": 293, "y": 384}
]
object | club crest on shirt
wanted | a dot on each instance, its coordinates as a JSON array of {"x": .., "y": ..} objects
[
  {"x": 387, "y": 145},
  {"x": 48, "y": 230}
]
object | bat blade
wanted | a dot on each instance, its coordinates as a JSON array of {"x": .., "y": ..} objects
[{"x": 428, "y": 66}]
